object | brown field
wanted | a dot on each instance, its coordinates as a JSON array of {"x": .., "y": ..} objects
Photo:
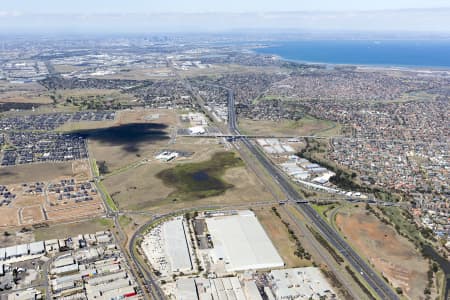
[
  {"x": 67, "y": 68},
  {"x": 9, "y": 217},
  {"x": 23, "y": 93},
  {"x": 31, "y": 215},
  {"x": 44, "y": 171},
  {"x": 138, "y": 188},
  {"x": 54, "y": 231},
  {"x": 391, "y": 254},
  {"x": 306, "y": 126},
  {"x": 81, "y": 170},
  {"x": 10, "y": 238},
  {"x": 280, "y": 237},
  {"x": 86, "y": 92},
  {"x": 72, "y": 229},
  {"x": 141, "y": 74},
  {"x": 74, "y": 211}
]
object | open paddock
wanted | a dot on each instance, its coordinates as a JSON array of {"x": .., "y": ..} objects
[
  {"x": 308, "y": 125},
  {"x": 44, "y": 171},
  {"x": 279, "y": 235},
  {"x": 391, "y": 254},
  {"x": 139, "y": 188},
  {"x": 23, "y": 93},
  {"x": 73, "y": 212},
  {"x": 72, "y": 229}
]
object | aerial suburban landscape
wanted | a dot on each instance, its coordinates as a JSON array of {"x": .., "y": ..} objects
[{"x": 210, "y": 166}]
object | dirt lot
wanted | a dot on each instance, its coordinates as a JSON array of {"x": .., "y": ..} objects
[
  {"x": 280, "y": 238},
  {"x": 391, "y": 254},
  {"x": 138, "y": 188},
  {"x": 38, "y": 172},
  {"x": 306, "y": 126}
]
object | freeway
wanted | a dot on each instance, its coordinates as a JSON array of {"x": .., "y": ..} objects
[{"x": 379, "y": 286}]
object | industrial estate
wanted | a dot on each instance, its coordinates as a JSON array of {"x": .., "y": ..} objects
[{"x": 171, "y": 167}]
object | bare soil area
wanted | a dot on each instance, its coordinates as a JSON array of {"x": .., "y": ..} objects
[{"x": 391, "y": 254}]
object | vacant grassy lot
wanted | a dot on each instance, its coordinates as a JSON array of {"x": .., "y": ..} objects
[
  {"x": 23, "y": 93},
  {"x": 200, "y": 180},
  {"x": 279, "y": 236},
  {"x": 138, "y": 188},
  {"x": 398, "y": 218},
  {"x": 308, "y": 125},
  {"x": 391, "y": 254},
  {"x": 72, "y": 229},
  {"x": 93, "y": 98},
  {"x": 35, "y": 172}
]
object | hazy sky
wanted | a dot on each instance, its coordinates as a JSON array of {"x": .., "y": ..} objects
[
  {"x": 210, "y": 15},
  {"x": 149, "y": 6}
]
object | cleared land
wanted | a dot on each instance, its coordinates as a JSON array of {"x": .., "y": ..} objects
[
  {"x": 308, "y": 125},
  {"x": 72, "y": 229},
  {"x": 23, "y": 93},
  {"x": 140, "y": 74},
  {"x": 43, "y": 172},
  {"x": 279, "y": 235},
  {"x": 391, "y": 254}
]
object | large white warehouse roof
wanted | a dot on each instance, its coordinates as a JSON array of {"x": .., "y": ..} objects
[
  {"x": 176, "y": 245},
  {"x": 242, "y": 243}
]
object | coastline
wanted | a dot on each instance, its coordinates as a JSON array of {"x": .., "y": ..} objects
[{"x": 387, "y": 67}]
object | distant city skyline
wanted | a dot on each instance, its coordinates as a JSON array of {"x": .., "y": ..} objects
[{"x": 206, "y": 16}]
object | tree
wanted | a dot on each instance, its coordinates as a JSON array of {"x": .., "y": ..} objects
[{"x": 435, "y": 267}]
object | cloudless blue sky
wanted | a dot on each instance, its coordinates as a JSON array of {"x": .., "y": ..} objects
[{"x": 148, "y": 6}]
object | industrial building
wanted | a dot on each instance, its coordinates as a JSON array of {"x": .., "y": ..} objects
[
  {"x": 167, "y": 248},
  {"x": 22, "y": 252},
  {"x": 300, "y": 283},
  {"x": 177, "y": 246},
  {"x": 241, "y": 243},
  {"x": 28, "y": 294},
  {"x": 275, "y": 146},
  {"x": 167, "y": 156},
  {"x": 197, "y": 130},
  {"x": 209, "y": 289}
]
